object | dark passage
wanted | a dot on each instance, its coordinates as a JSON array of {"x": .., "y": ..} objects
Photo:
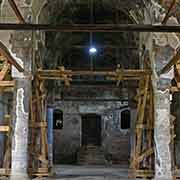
[{"x": 91, "y": 130}]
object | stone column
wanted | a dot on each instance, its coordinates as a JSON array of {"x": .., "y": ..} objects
[
  {"x": 20, "y": 136},
  {"x": 162, "y": 136},
  {"x": 22, "y": 97}
]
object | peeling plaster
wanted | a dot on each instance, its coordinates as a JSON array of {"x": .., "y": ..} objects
[
  {"x": 15, "y": 73},
  {"x": 20, "y": 145},
  {"x": 162, "y": 136},
  {"x": 166, "y": 41},
  {"x": 20, "y": 105}
]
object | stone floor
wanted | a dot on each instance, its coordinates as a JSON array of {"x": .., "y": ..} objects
[
  {"x": 90, "y": 178},
  {"x": 88, "y": 173}
]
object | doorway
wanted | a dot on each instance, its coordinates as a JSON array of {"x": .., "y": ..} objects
[{"x": 91, "y": 130}]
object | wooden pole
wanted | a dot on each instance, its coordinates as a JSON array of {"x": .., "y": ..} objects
[
  {"x": 168, "y": 14},
  {"x": 92, "y": 27},
  {"x": 16, "y": 11}
]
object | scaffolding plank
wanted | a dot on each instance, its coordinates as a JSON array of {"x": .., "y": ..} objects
[
  {"x": 7, "y": 83},
  {"x": 4, "y": 128}
]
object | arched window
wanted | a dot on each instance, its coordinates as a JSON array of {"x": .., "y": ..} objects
[
  {"x": 125, "y": 119},
  {"x": 58, "y": 119}
]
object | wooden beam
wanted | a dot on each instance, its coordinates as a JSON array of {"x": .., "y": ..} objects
[
  {"x": 142, "y": 104},
  {"x": 5, "y": 52},
  {"x": 168, "y": 13},
  {"x": 39, "y": 125},
  {"x": 174, "y": 89},
  {"x": 126, "y": 73},
  {"x": 142, "y": 173},
  {"x": 171, "y": 63},
  {"x": 4, "y": 128},
  {"x": 16, "y": 11},
  {"x": 92, "y": 27},
  {"x": 4, "y": 71},
  {"x": 146, "y": 154},
  {"x": 7, "y": 83}
]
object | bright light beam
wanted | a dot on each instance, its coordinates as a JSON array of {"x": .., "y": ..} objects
[{"x": 92, "y": 50}]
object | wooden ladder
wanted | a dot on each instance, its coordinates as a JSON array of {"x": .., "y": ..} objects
[
  {"x": 38, "y": 133},
  {"x": 143, "y": 151}
]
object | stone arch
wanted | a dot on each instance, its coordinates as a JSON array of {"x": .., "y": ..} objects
[
  {"x": 42, "y": 12},
  {"x": 106, "y": 57}
]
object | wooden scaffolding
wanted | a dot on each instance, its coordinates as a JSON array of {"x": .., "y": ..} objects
[
  {"x": 38, "y": 146},
  {"x": 6, "y": 85},
  {"x": 142, "y": 154},
  {"x": 142, "y": 157}
]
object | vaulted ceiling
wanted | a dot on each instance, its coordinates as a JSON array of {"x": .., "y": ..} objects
[{"x": 72, "y": 49}]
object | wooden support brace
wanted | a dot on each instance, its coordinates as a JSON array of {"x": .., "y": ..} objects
[
  {"x": 145, "y": 155},
  {"x": 168, "y": 14},
  {"x": 143, "y": 126},
  {"x": 174, "y": 89},
  {"x": 43, "y": 160},
  {"x": 171, "y": 63},
  {"x": 5, "y": 52},
  {"x": 7, "y": 83},
  {"x": 16, "y": 11},
  {"x": 39, "y": 125},
  {"x": 4, "y": 71},
  {"x": 4, "y": 128}
]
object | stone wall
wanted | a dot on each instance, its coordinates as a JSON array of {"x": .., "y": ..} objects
[{"x": 115, "y": 141}]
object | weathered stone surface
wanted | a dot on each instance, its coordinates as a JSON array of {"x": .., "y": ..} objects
[
  {"x": 162, "y": 136},
  {"x": 20, "y": 138},
  {"x": 161, "y": 48},
  {"x": 21, "y": 103},
  {"x": 115, "y": 141}
]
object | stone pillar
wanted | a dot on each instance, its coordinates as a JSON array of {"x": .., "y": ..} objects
[
  {"x": 162, "y": 136},
  {"x": 22, "y": 97},
  {"x": 20, "y": 136}
]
